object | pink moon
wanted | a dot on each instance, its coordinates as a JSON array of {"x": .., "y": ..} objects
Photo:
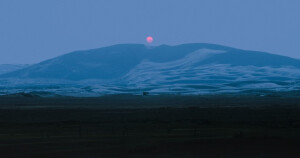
[{"x": 149, "y": 39}]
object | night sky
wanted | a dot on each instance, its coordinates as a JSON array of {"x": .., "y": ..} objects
[{"x": 35, "y": 30}]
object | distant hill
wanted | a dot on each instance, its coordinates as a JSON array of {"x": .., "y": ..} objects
[
  {"x": 6, "y": 68},
  {"x": 186, "y": 68}
]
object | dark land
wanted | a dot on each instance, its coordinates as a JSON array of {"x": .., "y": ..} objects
[{"x": 129, "y": 126}]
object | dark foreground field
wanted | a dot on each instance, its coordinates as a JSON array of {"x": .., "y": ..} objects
[{"x": 150, "y": 126}]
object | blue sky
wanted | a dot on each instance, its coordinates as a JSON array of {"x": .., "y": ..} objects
[{"x": 35, "y": 30}]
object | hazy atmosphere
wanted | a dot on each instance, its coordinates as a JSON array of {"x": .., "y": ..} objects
[{"x": 33, "y": 30}]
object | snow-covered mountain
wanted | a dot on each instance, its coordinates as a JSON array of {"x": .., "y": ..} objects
[{"x": 133, "y": 68}]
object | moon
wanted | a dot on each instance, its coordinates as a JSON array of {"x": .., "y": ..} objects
[{"x": 149, "y": 39}]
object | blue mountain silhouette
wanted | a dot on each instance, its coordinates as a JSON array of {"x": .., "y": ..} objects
[
  {"x": 116, "y": 61},
  {"x": 186, "y": 68}
]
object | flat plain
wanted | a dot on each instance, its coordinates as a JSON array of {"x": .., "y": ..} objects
[{"x": 213, "y": 126}]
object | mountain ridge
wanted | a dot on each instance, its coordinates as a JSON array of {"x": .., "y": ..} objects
[
  {"x": 185, "y": 69},
  {"x": 123, "y": 56}
]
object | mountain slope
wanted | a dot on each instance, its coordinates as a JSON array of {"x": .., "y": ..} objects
[
  {"x": 115, "y": 61},
  {"x": 187, "y": 68}
]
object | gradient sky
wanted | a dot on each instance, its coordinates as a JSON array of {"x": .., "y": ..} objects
[{"x": 35, "y": 30}]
